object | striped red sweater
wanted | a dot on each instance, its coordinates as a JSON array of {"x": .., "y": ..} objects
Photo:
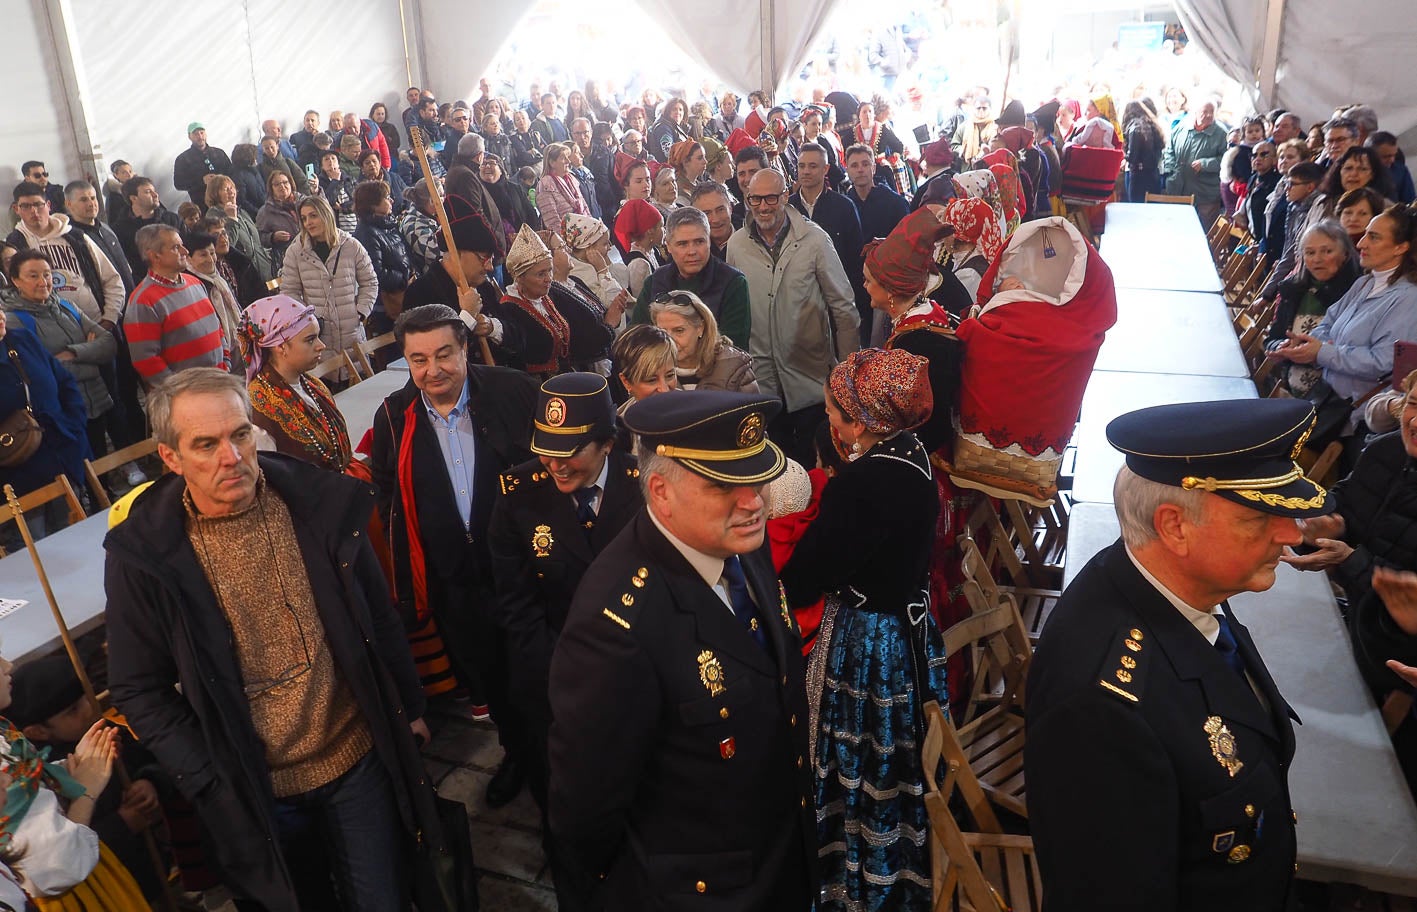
[{"x": 171, "y": 326}]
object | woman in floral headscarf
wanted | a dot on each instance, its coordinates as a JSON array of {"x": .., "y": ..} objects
[
  {"x": 983, "y": 185},
  {"x": 1010, "y": 195},
  {"x": 976, "y": 241},
  {"x": 280, "y": 339},
  {"x": 878, "y": 655}
]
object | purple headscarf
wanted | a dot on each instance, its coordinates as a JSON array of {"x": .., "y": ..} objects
[{"x": 269, "y": 322}]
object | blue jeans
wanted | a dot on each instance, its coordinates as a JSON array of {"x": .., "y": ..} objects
[{"x": 344, "y": 843}]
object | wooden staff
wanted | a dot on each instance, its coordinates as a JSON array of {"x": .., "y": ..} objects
[
  {"x": 153, "y": 855},
  {"x": 415, "y": 135}
]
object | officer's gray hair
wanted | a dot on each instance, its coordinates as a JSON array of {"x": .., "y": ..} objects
[
  {"x": 1136, "y": 500},
  {"x": 651, "y": 463},
  {"x": 193, "y": 380}
]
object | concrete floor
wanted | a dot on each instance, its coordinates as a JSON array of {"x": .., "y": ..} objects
[{"x": 506, "y": 842}]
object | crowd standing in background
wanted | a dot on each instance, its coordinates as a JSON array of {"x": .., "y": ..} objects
[{"x": 685, "y": 303}]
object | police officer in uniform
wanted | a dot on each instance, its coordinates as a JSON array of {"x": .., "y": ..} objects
[
  {"x": 678, "y": 738},
  {"x": 1158, "y": 745},
  {"x": 557, "y": 512}
]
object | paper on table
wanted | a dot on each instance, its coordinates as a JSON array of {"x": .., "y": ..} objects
[{"x": 9, "y": 606}]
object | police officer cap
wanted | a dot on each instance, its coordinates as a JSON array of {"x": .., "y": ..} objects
[
  {"x": 719, "y": 435},
  {"x": 572, "y": 410},
  {"x": 42, "y": 689},
  {"x": 1242, "y": 450}
]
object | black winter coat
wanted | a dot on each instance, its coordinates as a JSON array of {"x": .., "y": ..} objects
[
  {"x": 387, "y": 251},
  {"x": 250, "y": 189},
  {"x": 1378, "y": 503},
  {"x": 166, "y": 628}
]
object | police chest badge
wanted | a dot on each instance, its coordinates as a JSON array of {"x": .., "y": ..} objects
[
  {"x": 1222, "y": 745},
  {"x": 711, "y": 673},
  {"x": 542, "y": 540}
]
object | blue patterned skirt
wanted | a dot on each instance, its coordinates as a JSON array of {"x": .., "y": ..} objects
[{"x": 872, "y": 827}]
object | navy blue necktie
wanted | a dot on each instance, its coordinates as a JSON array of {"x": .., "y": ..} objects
[
  {"x": 743, "y": 607},
  {"x": 585, "y": 510},
  {"x": 1226, "y": 646}
]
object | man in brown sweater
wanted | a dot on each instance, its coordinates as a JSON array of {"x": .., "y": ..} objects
[{"x": 250, "y": 582}]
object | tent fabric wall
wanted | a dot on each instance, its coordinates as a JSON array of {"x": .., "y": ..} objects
[
  {"x": 461, "y": 41},
  {"x": 34, "y": 124},
  {"x": 153, "y": 66},
  {"x": 1328, "y": 56}
]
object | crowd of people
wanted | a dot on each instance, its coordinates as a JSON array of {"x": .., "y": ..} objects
[{"x": 666, "y": 361}]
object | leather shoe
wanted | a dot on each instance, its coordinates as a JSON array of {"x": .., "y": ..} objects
[{"x": 506, "y": 783}]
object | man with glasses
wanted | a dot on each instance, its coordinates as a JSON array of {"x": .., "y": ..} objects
[
  {"x": 1340, "y": 135},
  {"x": 804, "y": 316},
  {"x": 1264, "y": 177},
  {"x": 1303, "y": 184},
  {"x": 37, "y": 174},
  {"x": 258, "y": 653},
  {"x": 82, "y": 274}
]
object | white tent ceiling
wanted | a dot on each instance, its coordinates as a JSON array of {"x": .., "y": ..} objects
[{"x": 95, "y": 80}]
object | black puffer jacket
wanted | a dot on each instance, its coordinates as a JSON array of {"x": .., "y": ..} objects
[
  {"x": 387, "y": 251},
  {"x": 1378, "y": 503}
]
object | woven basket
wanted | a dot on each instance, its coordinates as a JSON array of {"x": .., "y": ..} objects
[{"x": 1004, "y": 474}]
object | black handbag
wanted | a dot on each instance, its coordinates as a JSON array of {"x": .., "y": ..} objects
[
  {"x": 1332, "y": 411},
  {"x": 20, "y": 433},
  {"x": 444, "y": 879}
]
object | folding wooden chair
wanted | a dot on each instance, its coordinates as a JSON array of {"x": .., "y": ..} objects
[
  {"x": 984, "y": 871},
  {"x": 362, "y": 351},
  {"x": 990, "y": 733},
  {"x": 95, "y": 469},
  {"x": 1187, "y": 200},
  {"x": 57, "y": 489},
  {"x": 1012, "y": 555},
  {"x": 334, "y": 365},
  {"x": 1215, "y": 239}
]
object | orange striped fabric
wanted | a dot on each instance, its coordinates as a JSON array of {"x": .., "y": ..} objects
[{"x": 430, "y": 657}]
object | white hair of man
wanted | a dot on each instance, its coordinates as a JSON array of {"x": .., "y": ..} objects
[{"x": 1136, "y": 500}]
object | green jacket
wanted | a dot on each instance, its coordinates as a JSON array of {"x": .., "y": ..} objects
[
  {"x": 1187, "y": 146},
  {"x": 734, "y": 312}
]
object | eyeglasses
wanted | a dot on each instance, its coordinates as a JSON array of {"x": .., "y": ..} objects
[
  {"x": 766, "y": 199},
  {"x": 40, "y": 174},
  {"x": 35, "y": 206}
]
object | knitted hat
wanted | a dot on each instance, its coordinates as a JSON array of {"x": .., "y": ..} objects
[
  {"x": 679, "y": 153},
  {"x": 527, "y": 250},
  {"x": 886, "y": 390},
  {"x": 904, "y": 262},
  {"x": 790, "y": 492},
  {"x": 582, "y": 231},
  {"x": 938, "y": 154}
]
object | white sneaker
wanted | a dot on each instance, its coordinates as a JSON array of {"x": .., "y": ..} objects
[{"x": 133, "y": 475}]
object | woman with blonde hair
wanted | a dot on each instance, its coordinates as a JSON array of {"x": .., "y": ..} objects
[
  {"x": 643, "y": 361},
  {"x": 328, "y": 269},
  {"x": 245, "y": 237},
  {"x": 704, "y": 359}
]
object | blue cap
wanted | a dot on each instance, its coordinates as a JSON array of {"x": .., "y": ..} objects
[
  {"x": 1243, "y": 450},
  {"x": 573, "y": 410}
]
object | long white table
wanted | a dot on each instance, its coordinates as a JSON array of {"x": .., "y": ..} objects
[
  {"x": 1154, "y": 245},
  {"x": 359, "y": 402},
  {"x": 1172, "y": 332},
  {"x": 1357, "y": 819},
  {"x": 73, "y": 561},
  {"x": 1113, "y": 393}
]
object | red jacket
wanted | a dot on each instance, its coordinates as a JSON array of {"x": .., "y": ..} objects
[{"x": 784, "y": 533}]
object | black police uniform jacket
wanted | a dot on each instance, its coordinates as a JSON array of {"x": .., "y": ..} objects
[
  {"x": 1138, "y": 798},
  {"x": 539, "y": 554},
  {"x": 678, "y": 746}
]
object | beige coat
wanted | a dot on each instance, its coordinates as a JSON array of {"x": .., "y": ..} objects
[{"x": 342, "y": 289}]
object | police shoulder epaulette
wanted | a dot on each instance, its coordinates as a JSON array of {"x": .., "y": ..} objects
[
  {"x": 632, "y": 472},
  {"x": 1123, "y": 672},
  {"x": 624, "y": 612},
  {"x": 514, "y": 481}
]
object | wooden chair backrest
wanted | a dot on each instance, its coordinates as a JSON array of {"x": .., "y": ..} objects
[
  {"x": 95, "y": 469},
  {"x": 333, "y": 365},
  {"x": 57, "y": 489},
  {"x": 993, "y": 640},
  {"x": 360, "y": 353},
  {"x": 1188, "y": 200}
]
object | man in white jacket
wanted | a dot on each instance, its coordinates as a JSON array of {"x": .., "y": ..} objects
[{"x": 83, "y": 275}]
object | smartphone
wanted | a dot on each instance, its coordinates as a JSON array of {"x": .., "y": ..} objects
[{"x": 309, "y": 172}]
